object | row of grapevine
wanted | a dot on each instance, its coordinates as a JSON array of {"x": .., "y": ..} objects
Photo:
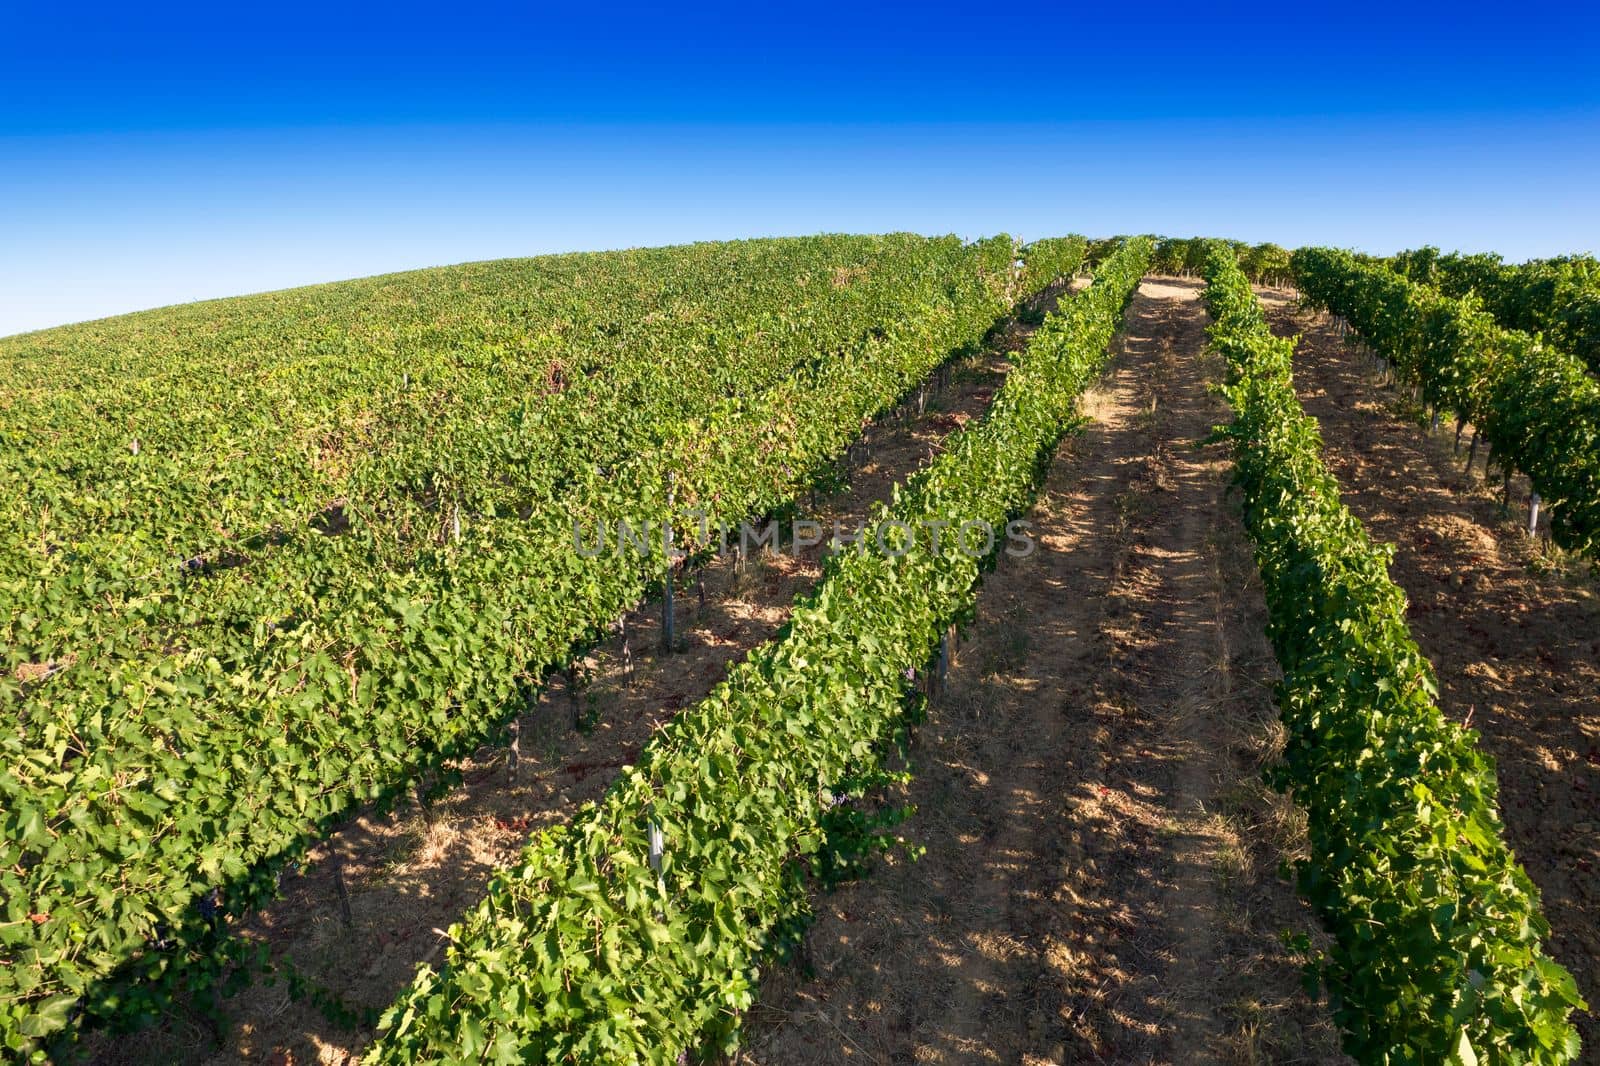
[
  {"x": 1538, "y": 408},
  {"x": 157, "y": 794},
  {"x": 1436, "y": 930},
  {"x": 1266, "y": 264},
  {"x": 1559, "y": 298},
  {"x": 132, "y": 493},
  {"x": 1045, "y": 260},
  {"x": 595, "y": 947}
]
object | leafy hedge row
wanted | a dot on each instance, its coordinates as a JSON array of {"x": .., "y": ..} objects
[
  {"x": 154, "y": 790},
  {"x": 1049, "y": 258},
  {"x": 1263, "y": 263},
  {"x": 145, "y": 451},
  {"x": 584, "y": 951},
  {"x": 1559, "y": 298},
  {"x": 260, "y": 469},
  {"x": 1266, "y": 264},
  {"x": 1538, "y": 408},
  {"x": 1436, "y": 929}
]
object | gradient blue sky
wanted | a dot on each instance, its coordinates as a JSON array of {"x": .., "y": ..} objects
[{"x": 163, "y": 153}]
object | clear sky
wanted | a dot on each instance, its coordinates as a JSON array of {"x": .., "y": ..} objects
[{"x": 151, "y": 154}]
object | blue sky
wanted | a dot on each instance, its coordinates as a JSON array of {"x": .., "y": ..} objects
[{"x": 150, "y": 156}]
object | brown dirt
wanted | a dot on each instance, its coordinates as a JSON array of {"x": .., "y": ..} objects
[
  {"x": 1512, "y": 629},
  {"x": 1100, "y": 877},
  {"x": 410, "y": 876}
]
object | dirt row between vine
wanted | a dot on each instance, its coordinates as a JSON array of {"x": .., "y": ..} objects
[
  {"x": 1100, "y": 877},
  {"x": 1512, "y": 631},
  {"x": 411, "y": 875}
]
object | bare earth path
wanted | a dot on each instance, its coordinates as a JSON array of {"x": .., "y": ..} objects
[
  {"x": 1100, "y": 877},
  {"x": 1516, "y": 649}
]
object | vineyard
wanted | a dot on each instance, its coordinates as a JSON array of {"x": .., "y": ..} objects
[
  {"x": 393, "y": 675},
  {"x": 1559, "y": 298}
]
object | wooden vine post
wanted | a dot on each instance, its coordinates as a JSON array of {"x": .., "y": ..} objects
[
  {"x": 666, "y": 597},
  {"x": 627, "y": 653},
  {"x": 572, "y": 695},
  {"x": 339, "y": 886},
  {"x": 944, "y": 657},
  {"x": 514, "y": 750}
]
